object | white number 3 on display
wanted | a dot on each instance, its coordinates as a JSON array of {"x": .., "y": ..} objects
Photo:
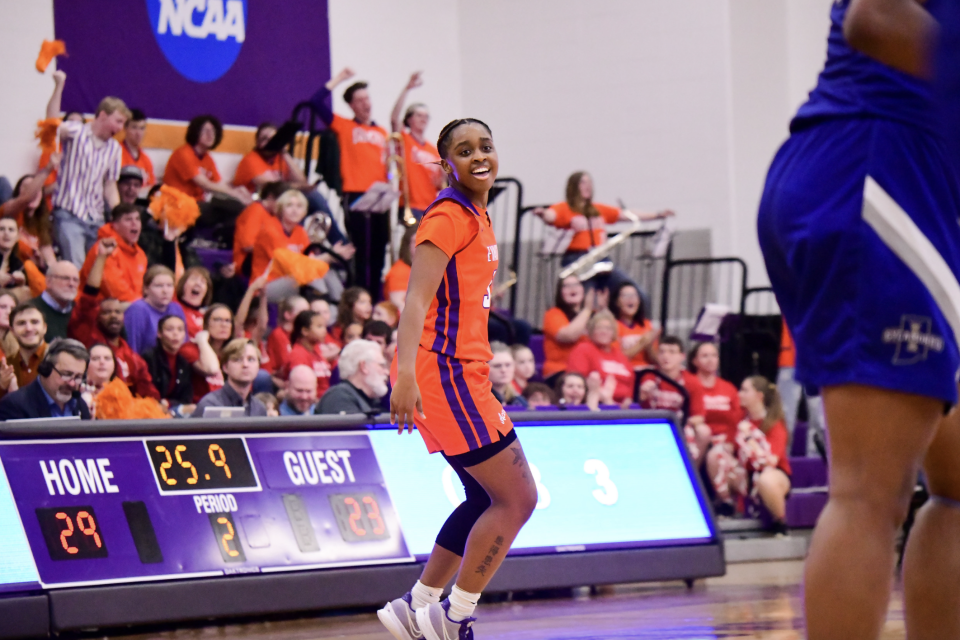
[{"x": 607, "y": 494}]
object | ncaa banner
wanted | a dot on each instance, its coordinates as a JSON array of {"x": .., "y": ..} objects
[{"x": 244, "y": 61}]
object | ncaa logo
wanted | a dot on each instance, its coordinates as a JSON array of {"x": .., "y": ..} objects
[{"x": 200, "y": 38}]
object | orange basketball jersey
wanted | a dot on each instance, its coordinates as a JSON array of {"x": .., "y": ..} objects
[{"x": 456, "y": 324}]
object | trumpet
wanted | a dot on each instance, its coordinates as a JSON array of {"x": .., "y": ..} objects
[
  {"x": 400, "y": 163},
  {"x": 588, "y": 265}
]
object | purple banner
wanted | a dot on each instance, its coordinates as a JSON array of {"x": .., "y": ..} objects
[
  {"x": 115, "y": 510},
  {"x": 245, "y": 61}
]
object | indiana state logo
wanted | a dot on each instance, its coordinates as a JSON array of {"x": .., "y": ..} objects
[{"x": 914, "y": 339}]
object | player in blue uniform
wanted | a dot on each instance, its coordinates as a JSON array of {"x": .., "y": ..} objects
[{"x": 859, "y": 229}]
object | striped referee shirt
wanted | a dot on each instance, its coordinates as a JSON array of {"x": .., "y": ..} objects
[{"x": 88, "y": 162}]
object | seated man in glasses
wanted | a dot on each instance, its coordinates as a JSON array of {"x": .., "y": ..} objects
[
  {"x": 56, "y": 301},
  {"x": 55, "y": 393}
]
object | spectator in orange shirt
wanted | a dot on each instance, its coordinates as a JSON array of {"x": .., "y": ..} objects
[
  {"x": 30, "y": 209},
  {"x": 251, "y": 221},
  {"x": 589, "y": 221},
  {"x": 192, "y": 170},
  {"x": 638, "y": 338},
  {"x": 565, "y": 325},
  {"x": 395, "y": 282},
  {"x": 131, "y": 152},
  {"x": 284, "y": 231},
  {"x": 363, "y": 156},
  {"x": 421, "y": 160},
  {"x": 125, "y": 267}
]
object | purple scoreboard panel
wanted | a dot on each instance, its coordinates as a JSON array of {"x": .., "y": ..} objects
[{"x": 119, "y": 510}]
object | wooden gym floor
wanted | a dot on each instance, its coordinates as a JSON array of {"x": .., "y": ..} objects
[{"x": 754, "y": 600}]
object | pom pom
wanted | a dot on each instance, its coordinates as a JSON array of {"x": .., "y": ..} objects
[
  {"x": 301, "y": 268},
  {"x": 49, "y": 50},
  {"x": 174, "y": 208},
  {"x": 115, "y": 402},
  {"x": 46, "y": 133}
]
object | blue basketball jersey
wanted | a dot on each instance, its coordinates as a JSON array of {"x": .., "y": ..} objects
[{"x": 853, "y": 84}]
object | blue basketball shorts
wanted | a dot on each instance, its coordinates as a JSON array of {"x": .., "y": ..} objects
[{"x": 859, "y": 230}]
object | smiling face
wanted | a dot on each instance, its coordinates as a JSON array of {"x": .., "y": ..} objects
[
  {"x": 29, "y": 328},
  {"x": 102, "y": 365},
  {"x": 471, "y": 160},
  {"x": 604, "y": 332},
  {"x": 9, "y": 234}
]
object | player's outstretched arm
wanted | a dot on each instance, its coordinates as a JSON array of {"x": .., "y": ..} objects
[
  {"x": 898, "y": 33},
  {"x": 426, "y": 272}
]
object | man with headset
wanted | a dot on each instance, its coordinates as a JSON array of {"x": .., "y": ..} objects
[{"x": 56, "y": 391}]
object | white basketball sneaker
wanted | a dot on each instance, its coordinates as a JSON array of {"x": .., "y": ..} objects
[
  {"x": 400, "y": 619},
  {"x": 435, "y": 623}
]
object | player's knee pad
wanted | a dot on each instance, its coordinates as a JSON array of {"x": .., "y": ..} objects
[{"x": 453, "y": 535}]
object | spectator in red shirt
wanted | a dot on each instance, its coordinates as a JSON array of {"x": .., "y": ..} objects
[
  {"x": 525, "y": 366},
  {"x": 573, "y": 390},
  {"x": 657, "y": 394},
  {"x": 203, "y": 352},
  {"x": 721, "y": 403},
  {"x": 602, "y": 355},
  {"x": 194, "y": 292},
  {"x": 331, "y": 346},
  {"x": 278, "y": 342},
  {"x": 307, "y": 336},
  {"x": 101, "y": 321},
  {"x": 761, "y": 467}
]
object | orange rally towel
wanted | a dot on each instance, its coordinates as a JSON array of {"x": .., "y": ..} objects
[
  {"x": 301, "y": 268},
  {"x": 115, "y": 402},
  {"x": 46, "y": 133},
  {"x": 174, "y": 207},
  {"x": 49, "y": 50}
]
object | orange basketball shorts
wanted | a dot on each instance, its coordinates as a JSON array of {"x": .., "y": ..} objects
[{"x": 462, "y": 412}]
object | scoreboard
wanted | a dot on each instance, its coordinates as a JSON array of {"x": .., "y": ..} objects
[{"x": 306, "y": 513}]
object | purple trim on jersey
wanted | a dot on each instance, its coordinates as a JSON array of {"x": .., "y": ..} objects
[
  {"x": 469, "y": 404},
  {"x": 453, "y": 324},
  {"x": 452, "y": 194},
  {"x": 440, "y": 326},
  {"x": 448, "y": 390}
]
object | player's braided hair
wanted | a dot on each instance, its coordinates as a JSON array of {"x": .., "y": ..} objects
[{"x": 443, "y": 141}]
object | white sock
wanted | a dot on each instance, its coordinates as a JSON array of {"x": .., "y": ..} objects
[
  {"x": 462, "y": 603},
  {"x": 422, "y": 595}
]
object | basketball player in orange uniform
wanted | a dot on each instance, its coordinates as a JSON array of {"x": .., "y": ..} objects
[{"x": 441, "y": 385}]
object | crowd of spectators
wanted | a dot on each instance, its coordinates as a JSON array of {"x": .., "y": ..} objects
[{"x": 99, "y": 298}]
